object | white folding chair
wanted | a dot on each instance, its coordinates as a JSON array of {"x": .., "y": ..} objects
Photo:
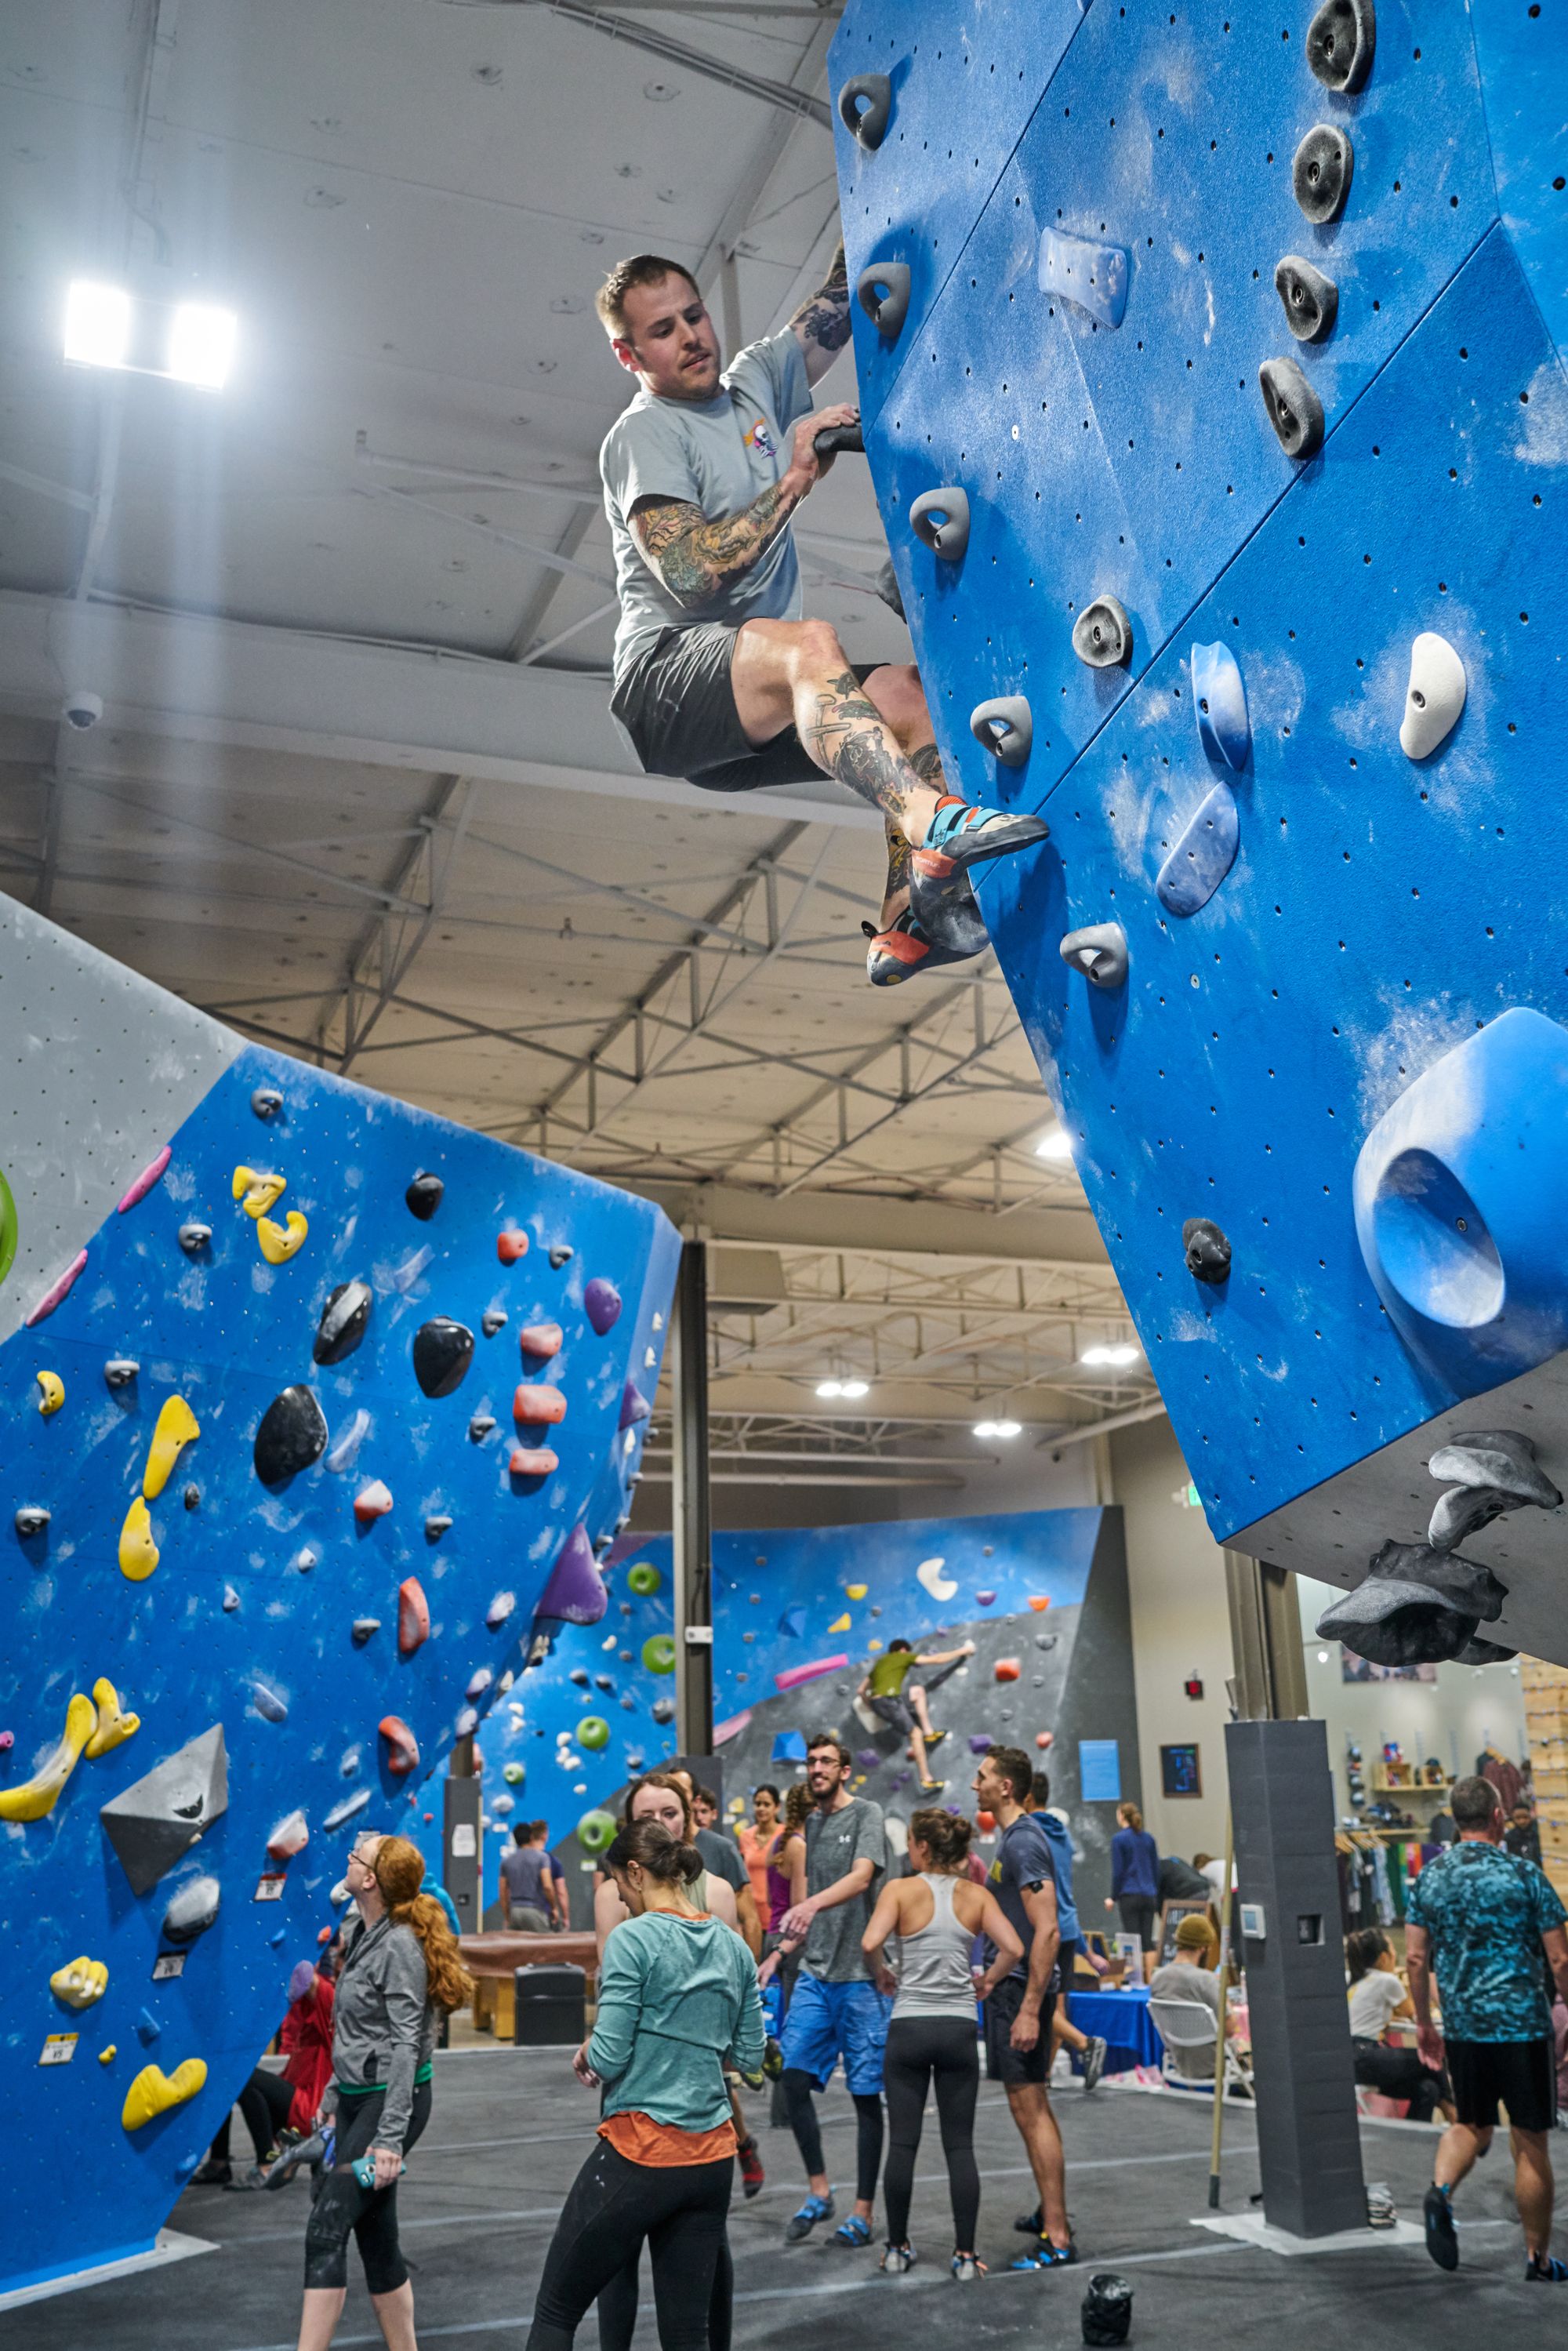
[{"x": 1191, "y": 2024}]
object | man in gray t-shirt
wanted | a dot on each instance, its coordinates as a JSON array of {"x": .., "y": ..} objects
[{"x": 718, "y": 677}]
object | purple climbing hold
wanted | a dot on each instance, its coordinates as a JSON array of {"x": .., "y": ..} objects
[
  {"x": 868, "y": 1759},
  {"x": 575, "y": 1591},
  {"x": 601, "y": 1304},
  {"x": 986, "y": 1599},
  {"x": 634, "y": 1406},
  {"x": 980, "y": 1742}
]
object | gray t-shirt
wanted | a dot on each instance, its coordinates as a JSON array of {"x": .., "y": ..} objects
[
  {"x": 721, "y": 1857},
  {"x": 834, "y": 1843},
  {"x": 718, "y": 455}
]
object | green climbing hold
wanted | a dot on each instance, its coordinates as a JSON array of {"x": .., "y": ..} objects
[
  {"x": 7, "y": 1228},
  {"x": 643, "y": 1579},
  {"x": 659, "y": 1654},
  {"x": 514, "y": 1774},
  {"x": 593, "y": 1732},
  {"x": 596, "y": 1831}
]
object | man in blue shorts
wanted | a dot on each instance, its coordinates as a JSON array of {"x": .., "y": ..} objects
[
  {"x": 837, "y": 2012},
  {"x": 718, "y": 677}
]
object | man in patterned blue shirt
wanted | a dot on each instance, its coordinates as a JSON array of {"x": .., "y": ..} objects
[{"x": 1493, "y": 1928}]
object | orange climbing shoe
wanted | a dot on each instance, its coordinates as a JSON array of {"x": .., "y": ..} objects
[{"x": 908, "y": 946}]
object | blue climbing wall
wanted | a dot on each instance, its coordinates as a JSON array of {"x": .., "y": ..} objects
[
  {"x": 1379, "y": 913},
  {"x": 281, "y": 1613}
]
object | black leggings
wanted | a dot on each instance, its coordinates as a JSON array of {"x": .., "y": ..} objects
[
  {"x": 618, "y": 2301},
  {"x": 1137, "y": 1912},
  {"x": 264, "y": 2104},
  {"x": 797, "y": 2085},
  {"x": 1399, "y": 2074},
  {"x": 918, "y": 2049},
  {"x": 611, "y": 2207},
  {"x": 371, "y": 2213}
]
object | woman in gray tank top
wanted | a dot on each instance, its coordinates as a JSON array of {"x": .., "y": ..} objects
[{"x": 934, "y": 1915}]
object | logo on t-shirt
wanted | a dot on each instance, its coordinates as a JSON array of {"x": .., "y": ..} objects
[{"x": 757, "y": 436}]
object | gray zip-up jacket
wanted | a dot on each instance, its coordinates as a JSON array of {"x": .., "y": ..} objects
[{"x": 384, "y": 2024}]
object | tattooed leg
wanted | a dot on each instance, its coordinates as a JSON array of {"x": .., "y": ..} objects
[
  {"x": 895, "y": 897},
  {"x": 847, "y": 736}
]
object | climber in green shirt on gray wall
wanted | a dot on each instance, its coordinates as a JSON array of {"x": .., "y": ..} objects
[{"x": 884, "y": 1691}]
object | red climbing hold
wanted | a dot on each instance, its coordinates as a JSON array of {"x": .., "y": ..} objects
[
  {"x": 372, "y": 1501},
  {"x": 986, "y": 1823},
  {"x": 541, "y": 1340},
  {"x": 1007, "y": 1669},
  {"x": 533, "y": 1461},
  {"x": 1038, "y": 1605},
  {"x": 403, "y": 1747},
  {"x": 539, "y": 1406},
  {"x": 510, "y": 1247},
  {"x": 413, "y": 1617}
]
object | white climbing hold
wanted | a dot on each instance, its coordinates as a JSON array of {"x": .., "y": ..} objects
[
  {"x": 500, "y": 1608},
  {"x": 929, "y": 1576},
  {"x": 467, "y": 1722},
  {"x": 479, "y": 1682},
  {"x": 1434, "y": 697},
  {"x": 345, "y": 1812}
]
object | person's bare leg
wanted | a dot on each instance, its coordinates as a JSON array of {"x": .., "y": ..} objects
[
  {"x": 1532, "y": 2189},
  {"x": 784, "y": 670},
  {"x": 919, "y": 1709},
  {"x": 1456, "y": 2152},
  {"x": 917, "y": 1749},
  {"x": 394, "y": 2316},
  {"x": 319, "y": 2316},
  {"x": 1063, "y": 2030},
  {"x": 897, "y": 693},
  {"x": 1043, "y": 2143}
]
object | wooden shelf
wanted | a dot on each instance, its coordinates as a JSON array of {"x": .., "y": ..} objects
[{"x": 1383, "y": 1786}]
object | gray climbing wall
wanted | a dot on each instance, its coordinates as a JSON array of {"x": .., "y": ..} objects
[{"x": 1236, "y": 337}]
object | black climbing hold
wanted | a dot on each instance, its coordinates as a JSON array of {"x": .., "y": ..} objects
[
  {"x": 442, "y": 1350},
  {"x": 344, "y": 1321},
  {"x": 1103, "y": 634},
  {"x": 192, "y": 1497},
  {"x": 1208, "y": 1250},
  {"x": 266, "y": 1101},
  {"x": 1320, "y": 172},
  {"x": 1341, "y": 39},
  {"x": 194, "y": 1237},
  {"x": 479, "y": 1428},
  {"x": 293, "y": 1435},
  {"x": 1107, "y": 2308},
  {"x": 558, "y": 1256},
  {"x": 1485, "y": 1653},
  {"x": 1295, "y": 412},
  {"x": 193, "y": 1910},
  {"x": 424, "y": 1196},
  {"x": 120, "y": 1371},
  {"x": 840, "y": 441},
  {"x": 1415, "y": 1606},
  {"x": 1005, "y": 725},
  {"x": 868, "y": 119},
  {"x": 887, "y": 588},
  {"x": 494, "y": 1319},
  {"x": 31, "y": 1519},
  {"x": 362, "y": 1627},
  {"x": 940, "y": 520},
  {"x": 1311, "y": 299},
  {"x": 435, "y": 1525},
  {"x": 883, "y": 293},
  {"x": 579, "y": 1675}
]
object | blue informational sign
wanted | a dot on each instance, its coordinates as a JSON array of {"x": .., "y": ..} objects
[{"x": 1100, "y": 1770}]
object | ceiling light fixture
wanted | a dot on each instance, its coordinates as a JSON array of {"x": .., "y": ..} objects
[
  {"x": 201, "y": 345},
  {"x": 1117, "y": 1357},
  {"x": 854, "y": 1388},
  {"x": 999, "y": 1428},
  {"x": 98, "y": 325},
  {"x": 829, "y": 1387},
  {"x": 1057, "y": 1144}
]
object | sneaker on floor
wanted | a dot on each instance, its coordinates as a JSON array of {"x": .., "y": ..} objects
[
  {"x": 897, "y": 2259},
  {"x": 1545, "y": 2269},
  {"x": 1381, "y": 2213},
  {"x": 967, "y": 2269},
  {"x": 1442, "y": 2238},
  {"x": 1030, "y": 2224},
  {"x": 753, "y": 2179},
  {"x": 1094, "y": 2058},
  {"x": 1047, "y": 2256},
  {"x": 254, "y": 2178},
  {"x": 854, "y": 2232},
  {"x": 801, "y": 2223},
  {"x": 212, "y": 2174}
]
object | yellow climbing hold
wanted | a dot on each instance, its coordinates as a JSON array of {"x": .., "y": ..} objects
[
  {"x": 277, "y": 1246},
  {"x": 177, "y": 1427},
  {"x": 53, "y": 1392},
  {"x": 80, "y": 1982},
  {"x": 840, "y": 1625},
  {"x": 153, "y": 2092},
  {"x": 138, "y": 1551},
  {"x": 38, "y": 1797},
  {"x": 106, "y": 2056},
  {"x": 113, "y": 1727},
  {"x": 257, "y": 1192},
  {"x": 855, "y": 1591}
]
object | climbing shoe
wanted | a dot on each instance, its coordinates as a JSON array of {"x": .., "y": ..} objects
[
  {"x": 753, "y": 2179},
  {"x": 932, "y": 1787},
  {"x": 897, "y": 2259},
  {"x": 1047, "y": 2256},
  {"x": 311, "y": 2151},
  {"x": 1545, "y": 2269},
  {"x": 1442, "y": 2238},
  {"x": 887, "y": 588},
  {"x": 772, "y": 2060},
  {"x": 909, "y": 945},
  {"x": 1030, "y": 2224},
  {"x": 967, "y": 2269},
  {"x": 853, "y": 2232},
  {"x": 801, "y": 2223},
  {"x": 1094, "y": 2058},
  {"x": 934, "y": 1738},
  {"x": 962, "y": 834}
]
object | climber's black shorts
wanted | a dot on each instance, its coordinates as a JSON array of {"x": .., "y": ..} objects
[{"x": 677, "y": 705}]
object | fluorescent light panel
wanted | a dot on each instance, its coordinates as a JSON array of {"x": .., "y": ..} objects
[
  {"x": 202, "y": 344},
  {"x": 98, "y": 324},
  {"x": 104, "y": 328}
]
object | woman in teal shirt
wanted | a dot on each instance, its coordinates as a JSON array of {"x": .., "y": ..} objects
[{"x": 677, "y": 1994}]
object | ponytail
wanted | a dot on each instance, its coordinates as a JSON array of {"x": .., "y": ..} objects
[
  {"x": 399, "y": 1870},
  {"x": 1362, "y": 1950}
]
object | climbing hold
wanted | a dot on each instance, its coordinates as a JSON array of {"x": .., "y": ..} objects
[
  {"x": 435, "y": 1525},
  {"x": 883, "y": 291},
  {"x": 343, "y": 1321},
  {"x": 191, "y": 1497},
  {"x": 292, "y": 1436},
  {"x": 514, "y": 1774},
  {"x": 634, "y": 1406},
  {"x": 538, "y": 1406},
  {"x": 154, "y": 2093},
  {"x": 561, "y": 1255},
  {"x": 1488, "y": 1471},
  {"x": 467, "y": 1723},
  {"x": 644, "y": 1578},
  {"x": 940, "y": 520},
  {"x": 1007, "y": 1669},
  {"x": 372, "y": 1501},
  {"x": 1294, "y": 410},
  {"x": 361, "y": 1629},
  {"x": 266, "y": 1101},
  {"x": 413, "y": 1617},
  {"x": 1311, "y": 299},
  {"x": 493, "y": 1319},
  {"x": 424, "y": 1196},
  {"x": 479, "y": 1681},
  {"x": 403, "y": 1747},
  {"x": 596, "y": 1831},
  {"x": 541, "y": 1339},
  {"x": 659, "y": 1654},
  {"x": 663, "y": 1710},
  {"x": 500, "y": 1608},
  {"x": 574, "y": 1590},
  {"x": 930, "y": 1578},
  {"x": 601, "y": 1304},
  {"x": 154, "y": 1823},
  {"x": 120, "y": 1371},
  {"x": 442, "y": 1350},
  {"x": 1434, "y": 697},
  {"x": 1413, "y": 1606},
  {"x": 51, "y": 1391},
  {"x": 193, "y": 1238},
  {"x": 1223, "y": 726},
  {"x": 1320, "y": 172},
  {"x": 1099, "y": 951},
  {"x": 80, "y": 1982},
  {"x": 1208, "y": 1250},
  {"x": 480, "y": 1427},
  {"x": 31, "y": 1519},
  {"x": 267, "y": 1703},
  {"x": 865, "y": 103},
  {"x": 138, "y": 1551},
  {"x": 304, "y": 1561},
  {"x": 231, "y": 1600},
  {"x": 1203, "y": 855},
  {"x": 532, "y": 1461},
  {"x": 342, "y": 1813},
  {"x": 291, "y": 1836},
  {"x": 257, "y": 1194},
  {"x": 278, "y": 1242},
  {"x": 148, "y": 2029},
  {"x": 1341, "y": 39},
  {"x": 1004, "y": 725},
  {"x": 1090, "y": 276},
  {"x": 986, "y": 1599},
  {"x": 1038, "y": 1605},
  {"x": 1103, "y": 634},
  {"x": 177, "y": 1427},
  {"x": 579, "y": 1675},
  {"x": 107, "y": 2055},
  {"x": 144, "y": 1182},
  {"x": 510, "y": 1247},
  {"x": 840, "y": 1625},
  {"x": 8, "y": 1228},
  {"x": 113, "y": 1727},
  {"x": 855, "y": 1590},
  {"x": 193, "y": 1910},
  {"x": 58, "y": 1289},
  {"x": 593, "y": 1732}
]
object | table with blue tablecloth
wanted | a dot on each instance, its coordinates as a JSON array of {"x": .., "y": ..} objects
[{"x": 1122, "y": 2019}]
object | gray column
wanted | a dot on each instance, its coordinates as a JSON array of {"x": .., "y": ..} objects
[
  {"x": 1265, "y": 1639},
  {"x": 1309, "y": 2143},
  {"x": 459, "y": 1851},
  {"x": 691, "y": 1517}
]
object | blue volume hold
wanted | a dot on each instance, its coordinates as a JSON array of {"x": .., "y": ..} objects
[
  {"x": 1092, "y": 277},
  {"x": 1202, "y": 856},
  {"x": 1220, "y": 700}
]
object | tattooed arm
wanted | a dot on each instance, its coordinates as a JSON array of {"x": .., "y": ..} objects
[
  {"x": 696, "y": 557},
  {"x": 822, "y": 325}
]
